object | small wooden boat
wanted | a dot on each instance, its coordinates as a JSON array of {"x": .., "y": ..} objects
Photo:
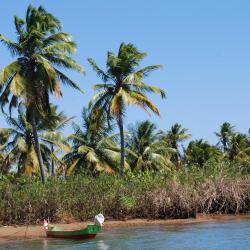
[{"x": 87, "y": 233}]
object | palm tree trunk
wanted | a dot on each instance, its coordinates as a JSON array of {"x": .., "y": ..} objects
[
  {"x": 177, "y": 164},
  {"x": 37, "y": 145},
  {"x": 175, "y": 156},
  {"x": 18, "y": 170},
  {"x": 175, "y": 160},
  {"x": 52, "y": 162},
  {"x": 120, "y": 124}
]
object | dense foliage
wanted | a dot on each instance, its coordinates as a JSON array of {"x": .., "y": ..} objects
[{"x": 219, "y": 188}]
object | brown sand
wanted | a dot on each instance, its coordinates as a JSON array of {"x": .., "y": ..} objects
[{"x": 31, "y": 231}]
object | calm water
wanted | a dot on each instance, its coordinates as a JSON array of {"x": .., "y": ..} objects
[{"x": 229, "y": 235}]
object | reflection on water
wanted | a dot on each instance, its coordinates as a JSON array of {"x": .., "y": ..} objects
[{"x": 228, "y": 235}]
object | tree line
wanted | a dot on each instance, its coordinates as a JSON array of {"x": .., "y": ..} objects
[{"x": 34, "y": 143}]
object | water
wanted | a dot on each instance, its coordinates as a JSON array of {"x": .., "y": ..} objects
[{"x": 227, "y": 235}]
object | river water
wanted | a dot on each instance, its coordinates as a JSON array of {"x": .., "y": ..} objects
[{"x": 223, "y": 235}]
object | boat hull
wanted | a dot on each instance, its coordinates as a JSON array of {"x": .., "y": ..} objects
[
  {"x": 87, "y": 233},
  {"x": 73, "y": 237}
]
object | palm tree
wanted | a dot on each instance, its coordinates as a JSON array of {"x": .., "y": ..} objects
[
  {"x": 40, "y": 48},
  {"x": 93, "y": 149},
  {"x": 20, "y": 144},
  {"x": 123, "y": 86},
  {"x": 173, "y": 137},
  {"x": 6, "y": 160},
  {"x": 3, "y": 137},
  {"x": 146, "y": 151},
  {"x": 224, "y": 135},
  {"x": 199, "y": 152},
  {"x": 52, "y": 124},
  {"x": 238, "y": 147}
]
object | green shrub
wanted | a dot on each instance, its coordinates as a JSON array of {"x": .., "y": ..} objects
[{"x": 216, "y": 188}]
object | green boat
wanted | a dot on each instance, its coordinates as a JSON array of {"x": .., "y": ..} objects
[{"x": 87, "y": 233}]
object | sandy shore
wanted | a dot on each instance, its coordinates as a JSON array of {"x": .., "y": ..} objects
[{"x": 31, "y": 231}]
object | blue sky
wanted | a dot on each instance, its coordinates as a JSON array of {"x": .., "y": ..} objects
[{"x": 204, "y": 46}]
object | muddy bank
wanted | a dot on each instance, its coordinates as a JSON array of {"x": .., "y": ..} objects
[{"x": 36, "y": 231}]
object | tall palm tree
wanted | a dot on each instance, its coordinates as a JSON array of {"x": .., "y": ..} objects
[
  {"x": 174, "y": 137},
  {"x": 123, "y": 85},
  {"x": 41, "y": 48},
  {"x": 146, "y": 150},
  {"x": 224, "y": 135},
  {"x": 93, "y": 149}
]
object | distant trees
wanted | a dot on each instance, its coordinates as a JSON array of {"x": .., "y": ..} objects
[
  {"x": 145, "y": 148},
  {"x": 224, "y": 136},
  {"x": 174, "y": 137},
  {"x": 94, "y": 146},
  {"x": 199, "y": 152},
  {"x": 239, "y": 148},
  {"x": 232, "y": 146},
  {"x": 235, "y": 146}
]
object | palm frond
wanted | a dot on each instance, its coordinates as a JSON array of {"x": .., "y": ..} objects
[
  {"x": 66, "y": 80},
  {"x": 148, "y": 88},
  {"x": 61, "y": 47},
  {"x": 144, "y": 72},
  {"x": 54, "y": 38},
  {"x": 99, "y": 71},
  {"x": 9, "y": 71},
  {"x": 143, "y": 101},
  {"x": 12, "y": 47}
]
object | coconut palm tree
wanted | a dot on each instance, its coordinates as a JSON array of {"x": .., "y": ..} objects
[
  {"x": 5, "y": 159},
  {"x": 238, "y": 147},
  {"x": 224, "y": 135},
  {"x": 41, "y": 48},
  {"x": 93, "y": 149},
  {"x": 123, "y": 86},
  {"x": 199, "y": 152},
  {"x": 6, "y": 162},
  {"x": 146, "y": 150},
  {"x": 174, "y": 137},
  {"x": 52, "y": 124},
  {"x": 3, "y": 137},
  {"x": 20, "y": 144}
]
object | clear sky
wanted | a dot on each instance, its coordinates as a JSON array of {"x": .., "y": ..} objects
[{"x": 204, "y": 46}]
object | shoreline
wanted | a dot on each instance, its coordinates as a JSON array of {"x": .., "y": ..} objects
[{"x": 36, "y": 231}]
